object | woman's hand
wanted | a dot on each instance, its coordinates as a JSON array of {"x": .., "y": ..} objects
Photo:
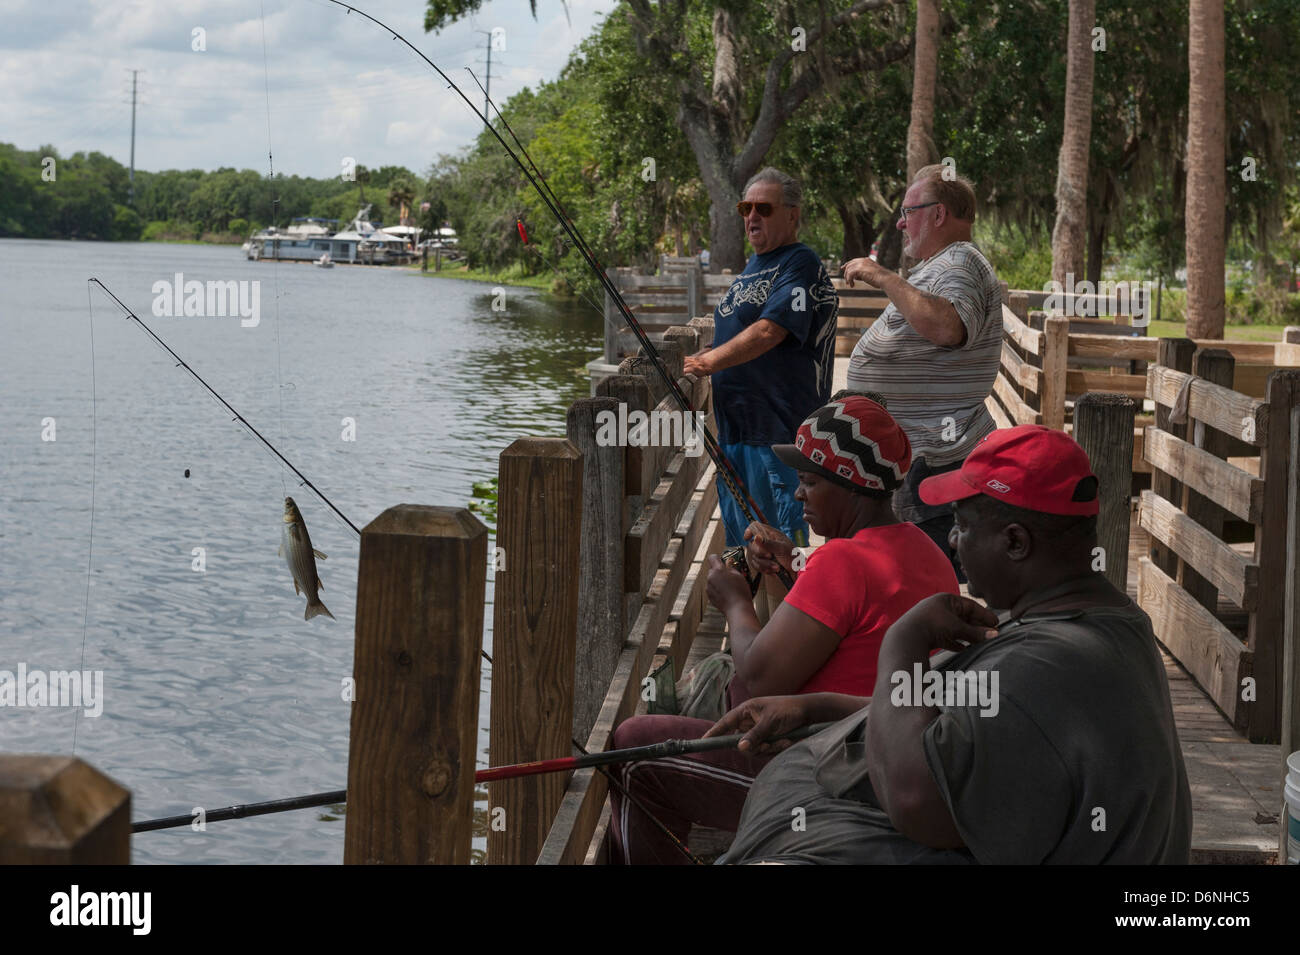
[
  {"x": 727, "y": 587},
  {"x": 767, "y": 549}
]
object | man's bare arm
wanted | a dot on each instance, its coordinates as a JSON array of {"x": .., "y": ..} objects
[
  {"x": 933, "y": 317},
  {"x": 762, "y": 336}
]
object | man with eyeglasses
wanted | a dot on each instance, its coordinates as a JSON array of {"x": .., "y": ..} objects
[
  {"x": 934, "y": 351},
  {"x": 773, "y": 354}
]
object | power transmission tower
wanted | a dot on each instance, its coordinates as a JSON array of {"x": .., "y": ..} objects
[
  {"x": 487, "y": 76},
  {"x": 131, "y": 190}
]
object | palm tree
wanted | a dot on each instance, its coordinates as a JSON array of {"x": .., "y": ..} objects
[
  {"x": 920, "y": 143},
  {"x": 1069, "y": 235},
  {"x": 921, "y": 150},
  {"x": 1206, "y": 172},
  {"x": 401, "y": 193}
]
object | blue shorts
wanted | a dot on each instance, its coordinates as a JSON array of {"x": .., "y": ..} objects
[{"x": 771, "y": 484}]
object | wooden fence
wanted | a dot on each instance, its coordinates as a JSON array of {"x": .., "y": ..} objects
[{"x": 1215, "y": 582}]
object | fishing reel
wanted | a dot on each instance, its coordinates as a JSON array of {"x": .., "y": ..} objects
[{"x": 734, "y": 557}]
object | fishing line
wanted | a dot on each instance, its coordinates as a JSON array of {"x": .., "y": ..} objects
[
  {"x": 275, "y": 265},
  {"x": 181, "y": 362},
  {"x": 90, "y": 547},
  {"x": 726, "y": 470}
]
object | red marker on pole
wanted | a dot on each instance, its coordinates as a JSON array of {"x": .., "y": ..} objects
[{"x": 523, "y": 233}]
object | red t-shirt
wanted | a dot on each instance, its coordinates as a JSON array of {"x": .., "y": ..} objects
[{"x": 858, "y": 586}]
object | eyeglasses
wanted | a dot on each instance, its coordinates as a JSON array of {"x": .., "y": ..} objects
[
  {"x": 764, "y": 209},
  {"x": 908, "y": 210}
]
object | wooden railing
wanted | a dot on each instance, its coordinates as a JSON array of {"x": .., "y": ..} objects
[
  {"x": 647, "y": 520},
  {"x": 1215, "y": 583}
]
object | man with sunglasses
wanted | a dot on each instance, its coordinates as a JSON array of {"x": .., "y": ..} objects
[
  {"x": 773, "y": 354},
  {"x": 934, "y": 351}
]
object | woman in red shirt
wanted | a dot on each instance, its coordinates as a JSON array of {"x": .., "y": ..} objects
[{"x": 824, "y": 637}]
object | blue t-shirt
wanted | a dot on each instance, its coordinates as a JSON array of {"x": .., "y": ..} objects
[{"x": 765, "y": 400}]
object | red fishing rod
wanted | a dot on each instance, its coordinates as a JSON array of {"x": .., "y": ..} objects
[
  {"x": 672, "y": 747},
  {"x": 726, "y": 470}
]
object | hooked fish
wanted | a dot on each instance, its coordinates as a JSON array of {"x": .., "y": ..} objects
[{"x": 296, "y": 549}]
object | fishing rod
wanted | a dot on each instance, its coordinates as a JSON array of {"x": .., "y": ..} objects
[
  {"x": 212, "y": 391},
  {"x": 668, "y": 748},
  {"x": 726, "y": 470}
]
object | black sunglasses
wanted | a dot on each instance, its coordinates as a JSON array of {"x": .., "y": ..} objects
[{"x": 764, "y": 209}]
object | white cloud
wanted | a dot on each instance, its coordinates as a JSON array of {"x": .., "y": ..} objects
[{"x": 338, "y": 85}]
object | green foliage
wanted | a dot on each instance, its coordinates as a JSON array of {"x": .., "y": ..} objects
[
  {"x": 1022, "y": 258},
  {"x": 484, "y": 501}
]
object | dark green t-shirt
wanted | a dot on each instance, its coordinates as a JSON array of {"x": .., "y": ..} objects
[{"x": 1080, "y": 763}]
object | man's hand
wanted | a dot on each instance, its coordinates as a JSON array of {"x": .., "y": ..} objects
[
  {"x": 727, "y": 587},
  {"x": 763, "y": 717},
  {"x": 864, "y": 269},
  {"x": 765, "y": 546},
  {"x": 940, "y": 622},
  {"x": 698, "y": 364}
]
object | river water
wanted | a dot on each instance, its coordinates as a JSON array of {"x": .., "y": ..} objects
[{"x": 216, "y": 691}]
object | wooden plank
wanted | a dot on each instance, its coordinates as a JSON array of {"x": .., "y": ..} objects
[
  {"x": 1213, "y": 365},
  {"x": 601, "y": 623},
  {"x": 1051, "y": 404},
  {"x": 644, "y": 544},
  {"x": 1230, "y": 487},
  {"x": 692, "y": 604},
  {"x": 1103, "y": 427},
  {"x": 1234, "y": 414},
  {"x": 1235, "y": 801},
  {"x": 1228, "y": 570},
  {"x": 634, "y": 391},
  {"x": 1015, "y": 405},
  {"x": 1024, "y": 336},
  {"x": 1248, "y": 353},
  {"x": 664, "y": 431},
  {"x": 534, "y": 623},
  {"x": 1081, "y": 382},
  {"x": 569, "y": 836},
  {"x": 1109, "y": 346},
  {"x": 1264, "y": 633},
  {"x": 1215, "y": 658},
  {"x": 995, "y": 410},
  {"x": 416, "y": 665},
  {"x": 1020, "y": 371},
  {"x": 1176, "y": 354},
  {"x": 1252, "y": 380}
]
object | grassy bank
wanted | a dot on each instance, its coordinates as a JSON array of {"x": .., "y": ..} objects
[
  {"x": 1235, "y": 333},
  {"x": 510, "y": 276}
]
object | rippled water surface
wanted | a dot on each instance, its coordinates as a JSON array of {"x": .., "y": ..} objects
[{"x": 217, "y": 692}]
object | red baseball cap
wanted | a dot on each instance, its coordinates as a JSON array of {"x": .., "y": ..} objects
[
  {"x": 854, "y": 442},
  {"x": 1030, "y": 466}
]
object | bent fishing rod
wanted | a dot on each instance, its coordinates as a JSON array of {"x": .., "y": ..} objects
[
  {"x": 664, "y": 750},
  {"x": 726, "y": 470}
]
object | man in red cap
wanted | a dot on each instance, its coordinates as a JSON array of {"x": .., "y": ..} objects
[
  {"x": 822, "y": 640},
  {"x": 1047, "y": 737}
]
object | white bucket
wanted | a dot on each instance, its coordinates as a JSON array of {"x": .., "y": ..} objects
[{"x": 1292, "y": 796}]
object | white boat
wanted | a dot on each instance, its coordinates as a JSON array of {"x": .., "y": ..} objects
[{"x": 324, "y": 262}]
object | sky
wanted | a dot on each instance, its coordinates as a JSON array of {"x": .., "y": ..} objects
[{"x": 331, "y": 85}]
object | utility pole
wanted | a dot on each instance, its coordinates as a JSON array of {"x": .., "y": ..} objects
[
  {"x": 487, "y": 78},
  {"x": 131, "y": 190}
]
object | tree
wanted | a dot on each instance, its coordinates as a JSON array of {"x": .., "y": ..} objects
[
  {"x": 1206, "y": 186},
  {"x": 1072, "y": 167},
  {"x": 401, "y": 193},
  {"x": 920, "y": 131}
]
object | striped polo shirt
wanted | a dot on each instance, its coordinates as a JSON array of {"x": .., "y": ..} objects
[{"x": 937, "y": 393}]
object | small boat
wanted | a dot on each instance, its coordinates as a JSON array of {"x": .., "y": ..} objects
[{"x": 324, "y": 262}]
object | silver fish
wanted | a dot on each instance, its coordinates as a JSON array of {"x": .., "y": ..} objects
[{"x": 296, "y": 549}]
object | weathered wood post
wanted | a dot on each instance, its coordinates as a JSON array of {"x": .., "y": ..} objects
[
  {"x": 1291, "y": 621},
  {"x": 419, "y": 630},
  {"x": 1214, "y": 365},
  {"x": 1103, "y": 426},
  {"x": 1018, "y": 302},
  {"x": 1056, "y": 344},
  {"x": 1265, "y": 631},
  {"x": 1175, "y": 353},
  {"x": 58, "y": 810},
  {"x": 602, "y": 626},
  {"x": 535, "y": 619}
]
